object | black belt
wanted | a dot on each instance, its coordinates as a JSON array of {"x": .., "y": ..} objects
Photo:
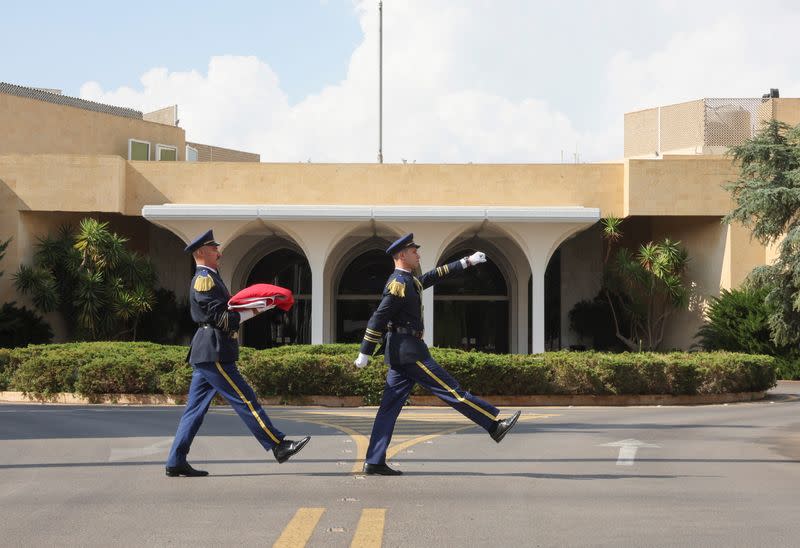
[
  {"x": 231, "y": 334},
  {"x": 407, "y": 331}
]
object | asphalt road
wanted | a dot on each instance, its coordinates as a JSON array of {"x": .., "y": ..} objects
[{"x": 721, "y": 475}]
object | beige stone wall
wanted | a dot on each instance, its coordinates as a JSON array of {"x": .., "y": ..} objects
[
  {"x": 58, "y": 182},
  {"x": 705, "y": 240},
  {"x": 35, "y": 127},
  {"x": 641, "y": 133},
  {"x": 678, "y": 186},
  {"x": 742, "y": 255},
  {"x": 210, "y": 153},
  {"x": 682, "y": 126},
  {"x": 589, "y": 185},
  {"x": 786, "y": 110},
  {"x": 167, "y": 115}
]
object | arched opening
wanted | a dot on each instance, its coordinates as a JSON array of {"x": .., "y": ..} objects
[
  {"x": 359, "y": 291},
  {"x": 471, "y": 309},
  {"x": 287, "y": 268}
]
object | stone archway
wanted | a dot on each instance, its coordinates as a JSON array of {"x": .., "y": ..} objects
[
  {"x": 270, "y": 256},
  {"x": 355, "y": 273},
  {"x": 480, "y": 309},
  {"x": 285, "y": 267}
]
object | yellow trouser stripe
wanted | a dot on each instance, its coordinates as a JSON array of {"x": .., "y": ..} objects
[
  {"x": 369, "y": 531},
  {"x": 250, "y": 405},
  {"x": 299, "y": 529},
  {"x": 454, "y": 393}
]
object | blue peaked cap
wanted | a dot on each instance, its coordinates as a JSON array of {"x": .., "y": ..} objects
[
  {"x": 401, "y": 243},
  {"x": 204, "y": 239}
]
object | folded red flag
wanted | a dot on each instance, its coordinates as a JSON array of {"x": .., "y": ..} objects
[{"x": 260, "y": 295}]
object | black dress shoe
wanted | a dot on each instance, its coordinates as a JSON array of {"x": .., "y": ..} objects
[
  {"x": 287, "y": 448},
  {"x": 380, "y": 470},
  {"x": 504, "y": 426},
  {"x": 185, "y": 470}
]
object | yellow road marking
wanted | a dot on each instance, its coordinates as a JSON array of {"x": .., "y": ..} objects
[
  {"x": 362, "y": 440},
  {"x": 369, "y": 531},
  {"x": 396, "y": 448},
  {"x": 299, "y": 529}
]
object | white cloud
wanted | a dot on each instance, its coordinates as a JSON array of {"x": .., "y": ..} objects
[{"x": 468, "y": 82}]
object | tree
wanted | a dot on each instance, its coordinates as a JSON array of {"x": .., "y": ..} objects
[
  {"x": 767, "y": 198},
  {"x": 99, "y": 287},
  {"x": 643, "y": 289}
]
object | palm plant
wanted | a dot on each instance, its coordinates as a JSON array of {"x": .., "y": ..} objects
[
  {"x": 644, "y": 288},
  {"x": 99, "y": 287}
]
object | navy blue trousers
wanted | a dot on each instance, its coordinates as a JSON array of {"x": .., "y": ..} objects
[
  {"x": 431, "y": 375},
  {"x": 207, "y": 379}
]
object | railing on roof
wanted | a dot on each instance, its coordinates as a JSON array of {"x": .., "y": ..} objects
[{"x": 705, "y": 126}]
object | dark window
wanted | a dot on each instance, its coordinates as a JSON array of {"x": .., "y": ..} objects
[
  {"x": 288, "y": 269},
  {"x": 359, "y": 293},
  {"x": 471, "y": 309}
]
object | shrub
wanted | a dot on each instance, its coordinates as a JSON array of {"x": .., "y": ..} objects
[
  {"x": 738, "y": 321},
  {"x": 5, "y": 358},
  {"x": 119, "y": 367}
]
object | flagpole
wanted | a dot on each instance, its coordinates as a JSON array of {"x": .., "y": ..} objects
[{"x": 380, "y": 82}]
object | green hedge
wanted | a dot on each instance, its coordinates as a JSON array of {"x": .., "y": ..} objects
[{"x": 138, "y": 368}]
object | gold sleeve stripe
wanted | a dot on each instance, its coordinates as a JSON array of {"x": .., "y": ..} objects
[
  {"x": 371, "y": 339},
  {"x": 439, "y": 271},
  {"x": 446, "y": 269},
  {"x": 203, "y": 283},
  {"x": 373, "y": 332}
]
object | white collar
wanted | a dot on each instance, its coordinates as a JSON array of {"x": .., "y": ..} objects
[
  {"x": 207, "y": 267},
  {"x": 403, "y": 269}
]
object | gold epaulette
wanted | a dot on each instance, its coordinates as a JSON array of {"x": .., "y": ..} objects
[
  {"x": 398, "y": 289},
  {"x": 203, "y": 283}
]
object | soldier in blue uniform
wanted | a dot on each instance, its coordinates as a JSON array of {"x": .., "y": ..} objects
[
  {"x": 213, "y": 354},
  {"x": 399, "y": 318}
]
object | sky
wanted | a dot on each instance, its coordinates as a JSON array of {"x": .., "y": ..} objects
[{"x": 500, "y": 81}]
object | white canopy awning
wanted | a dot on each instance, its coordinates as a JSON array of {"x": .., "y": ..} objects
[{"x": 198, "y": 212}]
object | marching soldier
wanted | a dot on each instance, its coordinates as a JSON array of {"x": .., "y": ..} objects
[
  {"x": 213, "y": 354},
  {"x": 399, "y": 317}
]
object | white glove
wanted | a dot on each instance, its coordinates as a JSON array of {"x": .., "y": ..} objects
[
  {"x": 476, "y": 258},
  {"x": 362, "y": 360},
  {"x": 248, "y": 313}
]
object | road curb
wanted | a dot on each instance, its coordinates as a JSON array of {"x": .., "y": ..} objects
[{"x": 358, "y": 401}]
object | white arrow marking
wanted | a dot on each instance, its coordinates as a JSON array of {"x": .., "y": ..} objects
[
  {"x": 627, "y": 450},
  {"x": 118, "y": 454}
]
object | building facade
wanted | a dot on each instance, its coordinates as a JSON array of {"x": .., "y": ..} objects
[{"x": 320, "y": 229}]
